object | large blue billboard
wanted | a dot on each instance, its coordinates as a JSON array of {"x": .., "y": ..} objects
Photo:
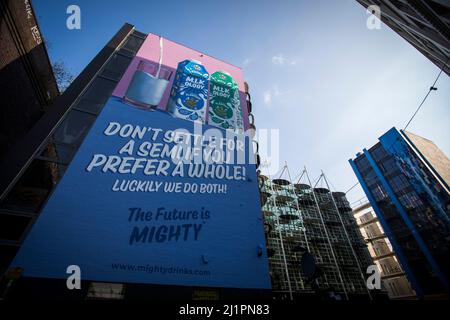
[{"x": 150, "y": 198}]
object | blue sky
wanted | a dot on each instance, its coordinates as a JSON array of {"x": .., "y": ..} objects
[{"x": 316, "y": 72}]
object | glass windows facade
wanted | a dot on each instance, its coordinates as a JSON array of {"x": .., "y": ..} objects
[
  {"x": 420, "y": 226},
  {"x": 96, "y": 95},
  {"x": 301, "y": 218}
]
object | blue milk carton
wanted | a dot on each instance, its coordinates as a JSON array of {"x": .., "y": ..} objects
[{"x": 189, "y": 93}]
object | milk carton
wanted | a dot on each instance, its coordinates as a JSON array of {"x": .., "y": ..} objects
[
  {"x": 222, "y": 101},
  {"x": 189, "y": 93}
]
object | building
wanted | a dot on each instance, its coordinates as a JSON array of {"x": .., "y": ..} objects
[
  {"x": 55, "y": 141},
  {"x": 307, "y": 222},
  {"x": 24, "y": 186},
  {"x": 403, "y": 176},
  {"x": 28, "y": 89},
  {"x": 394, "y": 278},
  {"x": 26, "y": 76},
  {"x": 423, "y": 23}
]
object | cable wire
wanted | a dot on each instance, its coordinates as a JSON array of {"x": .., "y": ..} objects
[{"x": 432, "y": 88}]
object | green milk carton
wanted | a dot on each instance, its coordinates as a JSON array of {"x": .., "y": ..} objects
[{"x": 222, "y": 101}]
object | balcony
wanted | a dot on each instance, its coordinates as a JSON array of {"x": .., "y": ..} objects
[
  {"x": 365, "y": 222},
  {"x": 375, "y": 237},
  {"x": 382, "y": 256},
  {"x": 393, "y": 274}
]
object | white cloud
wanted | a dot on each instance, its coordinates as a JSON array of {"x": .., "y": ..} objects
[
  {"x": 246, "y": 62},
  {"x": 268, "y": 97},
  {"x": 276, "y": 91},
  {"x": 275, "y": 94},
  {"x": 280, "y": 59}
]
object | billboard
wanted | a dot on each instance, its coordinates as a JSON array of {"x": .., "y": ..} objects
[{"x": 153, "y": 196}]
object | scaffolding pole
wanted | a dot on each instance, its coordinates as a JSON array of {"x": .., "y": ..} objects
[
  {"x": 347, "y": 237},
  {"x": 298, "y": 207},
  {"x": 327, "y": 236},
  {"x": 283, "y": 252},
  {"x": 300, "y": 216}
]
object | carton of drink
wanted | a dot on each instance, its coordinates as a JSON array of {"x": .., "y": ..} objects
[
  {"x": 189, "y": 93},
  {"x": 222, "y": 101}
]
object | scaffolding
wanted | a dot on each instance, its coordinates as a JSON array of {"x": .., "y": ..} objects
[{"x": 300, "y": 217}]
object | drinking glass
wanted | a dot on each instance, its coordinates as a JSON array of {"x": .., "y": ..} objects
[{"x": 148, "y": 85}]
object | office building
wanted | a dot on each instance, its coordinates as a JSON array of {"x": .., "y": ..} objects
[
  {"x": 393, "y": 277},
  {"x": 404, "y": 178},
  {"x": 304, "y": 223},
  {"x": 52, "y": 141},
  {"x": 29, "y": 200},
  {"x": 28, "y": 89},
  {"x": 26, "y": 76},
  {"x": 423, "y": 23}
]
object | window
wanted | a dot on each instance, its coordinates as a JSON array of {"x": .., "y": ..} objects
[
  {"x": 33, "y": 187},
  {"x": 393, "y": 288},
  {"x": 96, "y": 95},
  {"x": 410, "y": 200},
  {"x": 131, "y": 46},
  {"x": 64, "y": 152},
  {"x": 377, "y": 250},
  {"x": 51, "y": 152},
  {"x": 362, "y": 163},
  {"x": 378, "y": 193},
  {"x": 116, "y": 66},
  {"x": 398, "y": 183},
  {"x": 133, "y": 43},
  {"x": 73, "y": 128},
  {"x": 388, "y": 166},
  {"x": 378, "y": 153},
  {"x": 106, "y": 291},
  {"x": 370, "y": 178},
  {"x": 139, "y": 34}
]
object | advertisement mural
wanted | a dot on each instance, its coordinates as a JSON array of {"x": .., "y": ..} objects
[
  {"x": 159, "y": 192},
  {"x": 188, "y": 84}
]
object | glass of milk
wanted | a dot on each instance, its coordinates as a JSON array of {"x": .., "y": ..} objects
[{"x": 148, "y": 85}]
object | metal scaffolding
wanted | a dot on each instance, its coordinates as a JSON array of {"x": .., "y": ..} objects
[{"x": 301, "y": 217}]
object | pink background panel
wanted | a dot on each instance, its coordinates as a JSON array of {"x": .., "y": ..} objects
[{"x": 173, "y": 53}]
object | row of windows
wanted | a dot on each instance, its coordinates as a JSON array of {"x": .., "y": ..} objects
[
  {"x": 410, "y": 200},
  {"x": 398, "y": 183},
  {"x": 423, "y": 217},
  {"x": 362, "y": 163},
  {"x": 70, "y": 134},
  {"x": 388, "y": 166},
  {"x": 378, "y": 193},
  {"x": 378, "y": 153},
  {"x": 33, "y": 188}
]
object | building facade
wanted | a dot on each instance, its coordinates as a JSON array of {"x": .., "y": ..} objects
[
  {"x": 306, "y": 222},
  {"x": 411, "y": 199},
  {"x": 393, "y": 276},
  {"x": 423, "y": 23},
  {"x": 32, "y": 169},
  {"x": 52, "y": 143},
  {"x": 26, "y": 76}
]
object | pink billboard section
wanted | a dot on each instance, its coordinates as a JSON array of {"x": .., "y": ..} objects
[{"x": 174, "y": 53}]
